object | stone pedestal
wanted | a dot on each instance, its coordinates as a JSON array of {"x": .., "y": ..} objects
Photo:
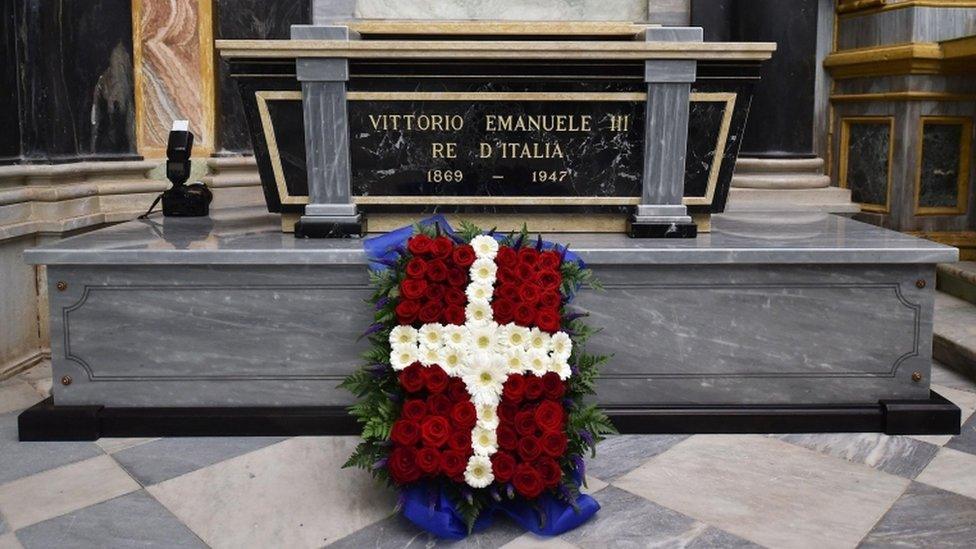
[{"x": 780, "y": 184}]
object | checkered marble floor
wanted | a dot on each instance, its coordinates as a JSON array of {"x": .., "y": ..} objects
[{"x": 823, "y": 491}]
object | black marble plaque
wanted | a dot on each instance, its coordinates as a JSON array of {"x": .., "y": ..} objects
[
  {"x": 867, "y": 161},
  {"x": 939, "y": 176},
  {"x": 489, "y": 147}
]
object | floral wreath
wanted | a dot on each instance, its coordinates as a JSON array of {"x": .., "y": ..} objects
[{"x": 471, "y": 400}]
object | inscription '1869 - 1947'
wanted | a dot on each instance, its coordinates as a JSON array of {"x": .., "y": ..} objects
[{"x": 497, "y": 148}]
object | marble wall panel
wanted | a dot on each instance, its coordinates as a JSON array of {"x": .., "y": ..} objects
[
  {"x": 867, "y": 173},
  {"x": 912, "y": 24},
  {"x": 174, "y": 72},
  {"x": 551, "y": 10},
  {"x": 250, "y": 19},
  {"x": 939, "y": 174}
]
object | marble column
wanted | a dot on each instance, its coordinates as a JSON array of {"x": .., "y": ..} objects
[{"x": 330, "y": 212}]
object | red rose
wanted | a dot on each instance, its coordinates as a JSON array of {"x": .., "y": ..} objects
[
  {"x": 546, "y": 319},
  {"x": 414, "y": 409},
  {"x": 552, "y": 386},
  {"x": 407, "y": 311},
  {"x": 460, "y": 441},
  {"x": 436, "y": 379},
  {"x": 525, "y": 423},
  {"x": 463, "y": 255},
  {"x": 457, "y": 391},
  {"x": 439, "y": 405},
  {"x": 430, "y": 312},
  {"x": 413, "y": 288},
  {"x": 442, "y": 247},
  {"x": 525, "y": 272},
  {"x": 507, "y": 410},
  {"x": 533, "y": 387},
  {"x": 405, "y": 432},
  {"x": 502, "y": 309},
  {"x": 454, "y": 314},
  {"x": 528, "y": 256},
  {"x": 412, "y": 377},
  {"x": 403, "y": 465},
  {"x": 514, "y": 388},
  {"x": 435, "y": 430},
  {"x": 416, "y": 268},
  {"x": 506, "y": 275},
  {"x": 419, "y": 244},
  {"x": 463, "y": 415},
  {"x": 529, "y": 294},
  {"x": 554, "y": 443},
  {"x": 507, "y": 437},
  {"x": 502, "y": 466},
  {"x": 436, "y": 271},
  {"x": 506, "y": 257},
  {"x": 548, "y": 279},
  {"x": 508, "y": 291},
  {"x": 529, "y": 448},
  {"x": 550, "y": 300},
  {"x": 524, "y": 315},
  {"x": 457, "y": 278},
  {"x": 549, "y": 260},
  {"x": 435, "y": 292},
  {"x": 527, "y": 481},
  {"x": 456, "y": 297},
  {"x": 453, "y": 463},
  {"x": 549, "y": 416},
  {"x": 429, "y": 460},
  {"x": 549, "y": 471}
]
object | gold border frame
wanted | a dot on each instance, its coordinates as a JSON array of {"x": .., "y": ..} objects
[
  {"x": 845, "y": 123},
  {"x": 962, "y": 182},
  {"x": 729, "y": 98}
]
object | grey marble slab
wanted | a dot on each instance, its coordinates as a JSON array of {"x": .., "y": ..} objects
[
  {"x": 965, "y": 441},
  {"x": 902, "y": 456},
  {"x": 925, "y": 516},
  {"x": 621, "y": 454},
  {"x": 163, "y": 459},
  {"x": 133, "y": 520},
  {"x": 21, "y": 459},
  {"x": 250, "y": 236},
  {"x": 395, "y": 532}
]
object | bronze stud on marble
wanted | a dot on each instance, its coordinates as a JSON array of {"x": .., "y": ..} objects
[
  {"x": 66, "y": 380},
  {"x": 916, "y": 376},
  {"x": 920, "y": 283},
  {"x": 61, "y": 285}
]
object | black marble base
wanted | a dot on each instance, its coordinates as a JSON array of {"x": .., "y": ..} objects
[
  {"x": 46, "y": 422},
  {"x": 661, "y": 230},
  {"x": 309, "y": 228}
]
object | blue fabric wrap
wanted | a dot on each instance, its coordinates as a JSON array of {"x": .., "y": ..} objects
[
  {"x": 428, "y": 506},
  {"x": 430, "y": 509}
]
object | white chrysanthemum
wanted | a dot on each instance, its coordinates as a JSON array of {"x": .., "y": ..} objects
[
  {"x": 562, "y": 369},
  {"x": 483, "y": 441},
  {"x": 478, "y": 312},
  {"x": 515, "y": 336},
  {"x": 483, "y": 338},
  {"x": 483, "y": 271},
  {"x": 538, "y": 340},
  {"x": 452, "y": 361},
  {"x": 430, "y": 335},
  {"x": 484, "y": 376},
  {"x": 561, "y": 345},
  {"x": 403, "y": 335},
  {"x": 455, "y": 337},
  {"x": 478, "y": 473},
  {"x": 488, "y": 417},
  {"x": 403, "y": 356},
  {"x": 485, "y": 246},
  {"x": 479, "y": 292},
  {"x": 429, "y": 356},
  {"x": 515, "y": 360},
  {"x": 537, "y": 362}
]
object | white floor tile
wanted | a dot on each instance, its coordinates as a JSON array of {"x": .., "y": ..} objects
[
  {"x": 17, "y": 395},
  {"x": 52, "y": 493},
  {"x": 532, "y": 541},
  {"x": 112, "y": 445},
  {"x": 767, "y": 491},
  {"x": 292, "y": 494},
  {"x": 952, "y": 470},
  {"x": 9, "y": 541}
]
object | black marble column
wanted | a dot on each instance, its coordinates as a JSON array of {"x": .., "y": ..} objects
[
  {"x": 781, "y": 117},
  {"x": 70, "y": 64},
  {"x": 248, "y": 19}
]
